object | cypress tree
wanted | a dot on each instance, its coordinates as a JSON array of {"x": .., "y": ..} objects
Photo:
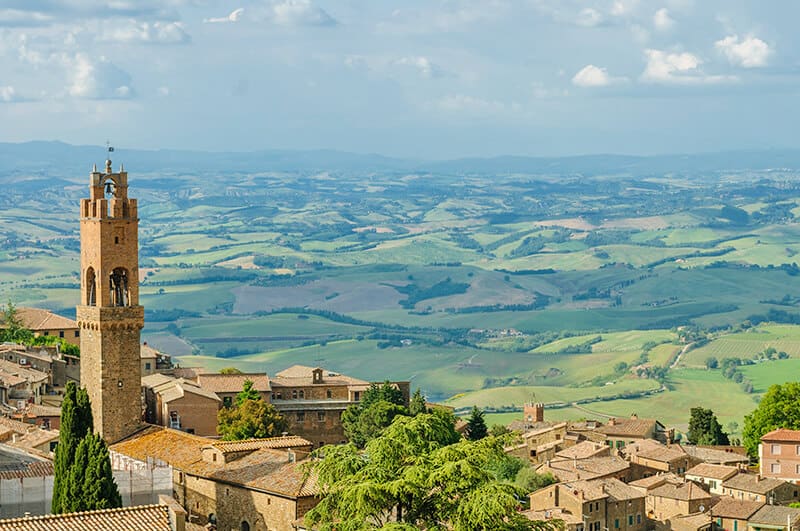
[
  {"x": 99, "y": 489},
  {"x": 73, "y": 428},
  {"x": 476, "y": 425}
]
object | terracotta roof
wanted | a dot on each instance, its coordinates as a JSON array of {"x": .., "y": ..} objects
[
  {"x": 715, "y": 456},
  {"x": 656, "y": 481},
  {"x": 597, "y": 489},
  {"x": 38, "y": 319},
  {"x": 291, "y": 441},
  {"x": 553, "y": 514},
  {"x": 233, "y": 383},
  {"x": 782, "y": 434},
  {"x": 36, "y": 469},
  {"x": 594, "y": 467},
  {"x": 720, "y": 472},
  {"x": 148, "y": 352},
  {"x": 174, "y": 389},
  {"x": 139, "y": 518},
  {"x": 16, "y": 463},
  {"x": 654, "y": 450},
  {"x": 685, "y": 491},
  {"x": 156, "y": 379},
  {"x": 35, "y": 437},
  {"x": 584, "y": 450},
  {"x": 728, "y": 507},
  {"x": 544, "y": 429},
  {"x": 38, "y": 410},
  {"x": 775, "y": 515},
  {"x": 265, "y": 469},
  {"x": 752, "y": 483},
  {"x": 633, "y": 427},
  {"x": 298, "y": 375},
  {"x": 14, "y": 425},
  {"x": 690, "y": 522}
]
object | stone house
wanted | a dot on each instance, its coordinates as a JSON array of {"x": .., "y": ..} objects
[
  {"x": 20, "y": 384},
  {"x": 46, "y": 417},
  {"x": 153, "y": 360},
  {"x": 180, "y": 404},
  {"x": 227, "y": 386},
  {"x": 756, "y": 488},
  {"x": 590, "y": 468},
  {"x": 571, "y": 522},
  {"x": 719, "y": 455},
  {"x": 619, "y": 432},
  {"x": 688, "y": 522},
  {"x": 670, "y": 499},
  {"x": 258, "y": 485},
  {"x": 60, "y": 367},
  {"x": 650, "y": 457},
  {"x": 46, "y": 323},
  {"x": 733, "y": 515},
  {"x": 712, "y": 476},
  {"x": 540, "y": 445},
  {"x": 779, "y": 455},
  {"x": 775, "y": 517},
  {"x": 601, "y": 504}
]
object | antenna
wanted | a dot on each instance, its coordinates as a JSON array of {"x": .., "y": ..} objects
[{"x": 110, "y": 150}]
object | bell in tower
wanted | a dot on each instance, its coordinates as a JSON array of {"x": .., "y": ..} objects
[{"x": 109, "y": 315}]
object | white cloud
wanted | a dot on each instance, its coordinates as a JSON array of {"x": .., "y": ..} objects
[
  {"x": 750, "y": 52},
  {"x": 589, "y": 17},
  {"x": 8, "y": 94},
  {"x": 149, "y": 33},
  {"x": 99, "y": 79},
  {"x": 662, "y": 21},
  {"x": 300, "y": 13},
  {"x": 677, "y": 68},
  {"x": 163, "y": 91},
  {"x": 423, "y": 65},
  {"x": 621, "y": 8},
  {"x": 235, "y": 16},
  {"x": 591, "y": 76},
  {"x": 20, "y": 18}
]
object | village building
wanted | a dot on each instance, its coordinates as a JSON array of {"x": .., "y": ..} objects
[
  {"x": 46, "y": 323},
  {"x": 668, "y": 500},
  {"x": 46, "y": 417},
  {"x": 730, "y": 514},
  {"x": 775, "y": 517},
  {"x": 756, "y": 488},
  {"x": 590, "y": 468},
  {"x": 571, "y": 522},
  {"x": 688, "y": 522},
  {"x": 619, "y": 432},
  {"x": 180, "y": 404},
  {"x": 712, "y": 476},
  {"x": 779, "y": 455},
  {"x": 650, "y": 457},
  {"x": 601, "y": 504},
  {"x": 153, "y": 360},
  {"x": 60, "y": 367},
  {"x": 541, "y": 444},
  {"x": 254, "y": 484},
  {"x": 719, "y": 455},
  {"x": 584, "y": 450},
  {"x": 20, "y": 384},
  {"x": 227, "y": 386}
]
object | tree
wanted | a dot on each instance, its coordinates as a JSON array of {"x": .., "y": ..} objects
[
  {"x": 418, "y": 404},
  {"x": 13, "y": 329},
  {"x": 476, "y": 425},
  {"x": 712, "y": 362},
  {"x": 247, "y": 393},
  {"x": 529, "y": 480},
  {"x": 385, "y": 391},
  {"x": 252, "y": 419},
  {"x": 230, "y": 370},
  {"x": 83, "y": 477},
  {"x": 417, "y": 474},
  {"x": 777, "y": 409},
  {"x": 704, "y": 428},
  {"x": 379, "y": 405}
]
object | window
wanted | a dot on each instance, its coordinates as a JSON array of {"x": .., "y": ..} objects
[
  {"x": 61, "y": 333},
  {"x": 190, "y": 430},
  {"x": 212, "y": 518},
  {"x": 590, "y": 507},
  {"x": 775, "y": 468},
  {"x": 227, "y": 401},
  {"x": 294, "y": 394},
  {"x": 638, "y": 518},
  {"x": 356, "y": 395},
  {"x": 776, "y": 449},
  {"x": 214, "y": 457},
  {"x": 320, "y": 415},
  {"x": 46, "y": 333},
  {"x": 245, "y": 526},
  {"x": 616, "y": 523},
  {"x": 329, "y": 394},
  {"x": 735, "y": 525},
  {"x": 301, "y": 416},
  {"x": 533, "y": 453},
  {"x": 77, "y": 333},
  {"x": 147, "y": 365},
  {"x": 630, "y": 519},
  {"x": 302, "y": 394}
]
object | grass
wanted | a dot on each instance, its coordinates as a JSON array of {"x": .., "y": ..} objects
[{"x": 747, "y": 344}]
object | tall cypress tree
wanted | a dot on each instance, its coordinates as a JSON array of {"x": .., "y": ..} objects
[
  {"x": 476, "y": 425},
  {"x": 83, "y": 478}
]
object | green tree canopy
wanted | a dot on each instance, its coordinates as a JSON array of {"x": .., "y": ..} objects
[
  {"x": 476, "y": 425},
  {"x": 230, "y": 370},
  {"x": 252, "y": 419},
  {"x": 418, "y": 474},
  {"x": 385, "y": 391},
  {"x": 76, "y": 423},
  {"x": 11, "y": 327},
  {"x": 704, "y": 428},
  {"x": 247, "y": 393},
  {"x": 379, "y": 405},
  {"x": 778, "y": 409},
  {"x": 418, "y": 404}
]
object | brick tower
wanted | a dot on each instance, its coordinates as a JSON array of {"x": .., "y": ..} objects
[{"x": 109, "y": 315}]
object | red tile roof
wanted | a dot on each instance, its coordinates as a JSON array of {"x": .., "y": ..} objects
[
  {"x": 38, "y": 319},
  {"x": 139, "y": 518},
  {"x": 782, "y": 434}
]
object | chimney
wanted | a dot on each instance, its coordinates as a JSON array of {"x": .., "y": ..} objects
[{"x": 291, "y": 455}]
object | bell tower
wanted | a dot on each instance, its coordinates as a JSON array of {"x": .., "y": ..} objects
[{"x": 109, "y": 315}]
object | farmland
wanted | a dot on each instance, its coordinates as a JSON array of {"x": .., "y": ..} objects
[{"x": 577, "y": 288}]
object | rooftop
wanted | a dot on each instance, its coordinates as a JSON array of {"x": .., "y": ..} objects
[
  {"x": 717, "y": 456},
  {"x": 654, "y": 450},
  {"x": 584, "y": 450},
  {"x": 233, "y": 383},
  {"x": 775, "y": 515},
  {"x": 597, "y": 489},
  {"x": 685, "y": 491},
  {"x": 691, "y": 522},
  {"x": 301, "y": 375},
  {"x": 752, "y": 483},
  {"x": 652, "y": 482},
  {"x": 275, "y": 443},
  {"x": 728, "y": 507},
  {"x": 174, "y": 388},
  {"x": 38, "y": 319},
  {"x": 594, "y": 467},
  {"x": 706, "y": 470},
  {"x": 629, "y": 427},
  {"x": 139, "y": 518},
  {"x": 781, "y": 435}
]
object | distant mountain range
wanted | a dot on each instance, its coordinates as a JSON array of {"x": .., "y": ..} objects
[{"x": 40, "y": 158}]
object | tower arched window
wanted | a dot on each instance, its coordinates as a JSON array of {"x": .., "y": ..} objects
[
  {"x": 118, "y": 286},
  {"x": 245, "y": 526},
  {"x": 91, "y": 287}
]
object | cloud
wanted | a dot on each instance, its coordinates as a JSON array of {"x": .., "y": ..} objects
[
  {"x": 621, "y": 8},
  {"x": 677, "y": 68},
  {"x": 300, "y": 13},
  {"x": 751, "y": 52},
  {"x": 21, "y": 18},
  {"x": 463, "y": 103},
  {"x": 235, "y": 16},
  {"x": 149, "y": 33},
  {"x": 589, "y": 18},
  {"x": 98, "y": 80},
  {"x": 8, "y": 94},
  {"x": 591, "y": 76},
  {"x": 423, "y": 65},
  {"x": 662, "y": 21}
]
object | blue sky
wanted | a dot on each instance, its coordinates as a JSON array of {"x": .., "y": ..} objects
[{"x": 430, "y": 79}]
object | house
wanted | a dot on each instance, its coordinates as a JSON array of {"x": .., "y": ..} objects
[
  {"x": 251, "y": 484},
  {"x": 312, "y": 400},
  {"x": 180, "y": 404},
  {"x": 542, "y": 444},
  {"x": 779, "y": 455},
  {"x": 584, "y": 450},
  {"x": 47, "y": 417},
  {"x": 733, "y": 515},
  {"x": 601, "y": 504},
  {"x": 669, "y": 500},
  {"x": 688, "y": 522},
  {"x": 719, "y": 455},
  {"x": 713, "y": 476},
  {"x": 61, "y": 367},
  {"x": 585, "y": 469},
  {"x": 756, "y": 488},
  {"x": 572, "y": 522},
  {"x": 46, "y": 323},
  {"x": 650, "y": 457},
  {"x": 772, "y": 517},
  {"x": 621, "y": 431},
  {"x": 167, "y": 515},
  {"x": 153, "y": 360},
  {"x": 19, "y": 384},
  {"x": 649, "y": 483},
  {"x": 227, "y": 386}
]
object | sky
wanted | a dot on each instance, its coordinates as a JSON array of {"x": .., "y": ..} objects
[{"x": 427, "y": 79}]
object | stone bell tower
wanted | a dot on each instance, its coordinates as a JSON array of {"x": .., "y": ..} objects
[{"x": 109, "y": 315}]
